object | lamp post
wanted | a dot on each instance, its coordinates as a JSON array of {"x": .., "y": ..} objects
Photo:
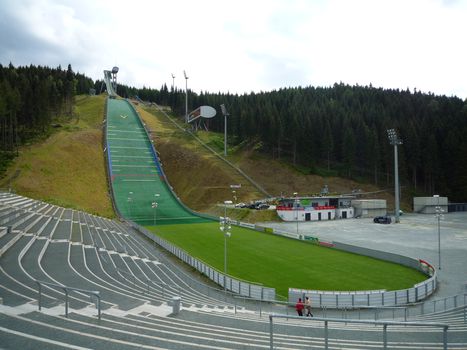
[
  {"x": 173, "y": 82},
  {"x": 129, "y": 201},
  {"x": 234, "y": 195},
  {"x": 296, "y": 209},
  {"x": 439, "y": 215},
  {"x": 226, "y": 114},
  {"x": 395, "y": 141},
  {"x": 225, "y": 227},
  {"x": 154, "y": 206},
  {"x": 186, "y": 97}
]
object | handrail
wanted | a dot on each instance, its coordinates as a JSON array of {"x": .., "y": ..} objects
[
  {"x": 385, "y": 325},
  {"x": 66, "y": 289}
]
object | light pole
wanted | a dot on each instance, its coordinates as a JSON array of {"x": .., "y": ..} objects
[
  {"x": 226, "y": 114},
  {"x": 296, "y": 208},
  {"x": 186, "y": 97},
  {"x": 129, "y": 200},
  {"x": 225, "y": 227},
  {"x": 154, "y": 206},
  {"x": 439, "y": 215},
  {"x": 234, "y": 195},
  {"x": 173, "y": 82},
  {"x": 395, "y": 141}
]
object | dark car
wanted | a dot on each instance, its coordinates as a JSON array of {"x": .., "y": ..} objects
[
  {"x": 382, "y": 220},
  {"x": 261, "y": 206}
]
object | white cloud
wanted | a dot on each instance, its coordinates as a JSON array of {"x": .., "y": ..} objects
[{"x": 247, "y": 45}]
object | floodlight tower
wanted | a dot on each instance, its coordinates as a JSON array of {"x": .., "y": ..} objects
[
  {"x": 186, "y": 97},
  {"x": 114, "y": 78},
  {"x": 225, "y": 227},
  {"x": 395, "y": 141},
  {"x": 226, "y": 114},
  {"x": 173, "y": 82}
]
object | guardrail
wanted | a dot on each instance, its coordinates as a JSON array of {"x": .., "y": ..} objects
[
  {"x": 67, "y": 290},
  {"x": 385, "y": 325}
]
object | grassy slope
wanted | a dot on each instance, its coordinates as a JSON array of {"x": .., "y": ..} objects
[
  {"x": 272, "y": 260},
  {"x": 282, "y": 263},
  {"x": 67, "y": 168}
]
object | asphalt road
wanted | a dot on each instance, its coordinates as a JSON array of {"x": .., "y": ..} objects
[{"x": 416, "y": 236}]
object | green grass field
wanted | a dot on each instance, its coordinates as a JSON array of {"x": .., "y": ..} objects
[{"x": 282, "y": 262}]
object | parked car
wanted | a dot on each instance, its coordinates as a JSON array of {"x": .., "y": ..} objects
[
  {"x": 382, "y": 220},
  {"x": 240, "y": 205},
  {"x": 262, "y": 206}
]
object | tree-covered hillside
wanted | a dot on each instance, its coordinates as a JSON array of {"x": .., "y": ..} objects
[
  {"x": 31, "y": 97},
  {"x": 343, "y": 129}
]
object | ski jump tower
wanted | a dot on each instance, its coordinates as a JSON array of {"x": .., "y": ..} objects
[{"x": 110, "y": 79}]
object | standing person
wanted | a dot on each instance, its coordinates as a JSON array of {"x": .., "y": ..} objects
[
  {"x": 308, "y": 307},
  {"x": 299, "y": 307}
]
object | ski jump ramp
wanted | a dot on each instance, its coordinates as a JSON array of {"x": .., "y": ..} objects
[{"x": 140, "y": 190}]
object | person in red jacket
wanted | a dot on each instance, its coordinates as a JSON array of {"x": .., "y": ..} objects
[{"x": 299, "y": 307}]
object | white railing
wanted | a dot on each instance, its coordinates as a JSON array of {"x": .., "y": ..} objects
[
  {"x": 385, "y": 325},
  {"x": 67, "y": 290}
]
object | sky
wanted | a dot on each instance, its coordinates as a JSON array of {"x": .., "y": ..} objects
[{"x": 246, "y": 45}]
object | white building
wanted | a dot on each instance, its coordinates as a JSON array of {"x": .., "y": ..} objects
[
  {"x": 315, "y": 208},
  {"x": 427, "y": 205},
  {"x": 369, "y": 208}
]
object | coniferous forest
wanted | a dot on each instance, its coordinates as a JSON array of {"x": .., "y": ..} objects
[
  {"x": 31, "y": 98},
  {"x": 342, "y": 130},
  {"x": 339, "y": 130}
]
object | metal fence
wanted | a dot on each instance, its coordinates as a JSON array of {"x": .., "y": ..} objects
[
  {"x": 67, "y": 290},
  {"x": 385, "y": 325}
]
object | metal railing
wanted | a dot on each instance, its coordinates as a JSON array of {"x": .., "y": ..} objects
[
  {"x": 66, "y": 290},
  {"x": 385, "y": 325}
]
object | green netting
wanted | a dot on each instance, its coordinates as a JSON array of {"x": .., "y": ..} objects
[{"x": 136, "y": 176}]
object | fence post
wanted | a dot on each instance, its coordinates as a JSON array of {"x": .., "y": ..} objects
[
  {"x": 39, "y": 301},
  {"x": 385, "y": 336},
  {"x": 98, "y": 306},
  {"x": 271, "y": 334},
  {"x": 66, "y": 302},
  {"x": 326, "y": 335},
  {"x": 445, "y": 338}
]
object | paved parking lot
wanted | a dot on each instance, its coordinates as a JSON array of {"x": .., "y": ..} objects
[{"x": 416, "y": 235}]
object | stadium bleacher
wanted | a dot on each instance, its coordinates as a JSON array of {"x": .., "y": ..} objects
[{"x": 137, "y": 282}]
